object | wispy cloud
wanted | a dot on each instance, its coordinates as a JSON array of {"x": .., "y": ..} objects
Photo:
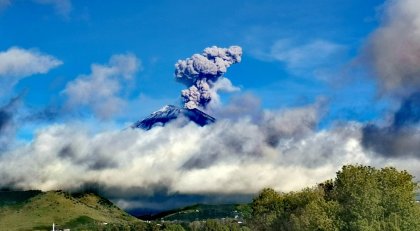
[
  {"x": 4, "y": 4},
  {"x": 103, "y": 89},
  {"x": 18, "y": 63},
  {"x": 61, "y": 7},
  {"x": 303, "y": 58}
]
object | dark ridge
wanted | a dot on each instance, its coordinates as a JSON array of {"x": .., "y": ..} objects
[
  {"x": 17, "y": 197},
  {"x": 197, "y": 212}
]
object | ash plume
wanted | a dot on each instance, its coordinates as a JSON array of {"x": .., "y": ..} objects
[
  {"x": 201, "y": 72},
  {"x": 393, "y": 49},
  {"x": 393, "y": 54},
  {"x": 401, "y": 137},
  {"x": 8, "y": 115}
]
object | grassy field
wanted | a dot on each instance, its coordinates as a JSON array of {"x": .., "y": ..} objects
[{"x": 35, "y": 210}]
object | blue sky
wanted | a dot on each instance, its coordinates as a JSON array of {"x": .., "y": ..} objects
[{"x": 318, "y": 41}]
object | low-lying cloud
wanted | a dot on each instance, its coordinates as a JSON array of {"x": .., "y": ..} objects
[{"x": 283, "y": 150}]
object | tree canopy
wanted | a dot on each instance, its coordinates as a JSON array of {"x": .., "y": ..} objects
[{"x": 359, "y": 198}]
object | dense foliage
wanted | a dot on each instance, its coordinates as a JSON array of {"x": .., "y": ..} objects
[{"x": 359, "y": 198}]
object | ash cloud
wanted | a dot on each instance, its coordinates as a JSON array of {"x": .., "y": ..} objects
[
  {"x": 401, "y": 138},
  {"x": 392, "y": 50},
  {"x": 8, "y": 125},
  {"x": 392, "y": 54},
  {"x": 203, "y": 74}
]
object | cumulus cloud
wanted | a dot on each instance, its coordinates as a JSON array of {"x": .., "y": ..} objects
[
  {"x": 18, "y": 63},
  {"x": 102, "y": 90},
  {"x": 202, "y": 74}
]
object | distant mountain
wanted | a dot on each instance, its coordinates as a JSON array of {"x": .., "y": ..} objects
[
  {"x": 203, "y": 212},
  {"x": 169, "y": 113},
  {"x": 36, "y": 210}
]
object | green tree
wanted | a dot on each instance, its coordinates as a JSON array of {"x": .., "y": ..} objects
[
  {"x": 213, "y": 225},
  {"x": 357, "y": 190},
  {"x": 173, "y": 227},
  {"x": 376, "y": 199},
  {"x": 359, "y": 198},
  {"x": 266, "y": 208}
]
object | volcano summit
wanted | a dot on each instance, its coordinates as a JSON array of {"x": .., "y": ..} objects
[{"x": 169, "y": 113}]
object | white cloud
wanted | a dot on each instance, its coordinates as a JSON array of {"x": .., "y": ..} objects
[
  {"x": 18, "y": 63},
  {"x": 102, "y": 90}
]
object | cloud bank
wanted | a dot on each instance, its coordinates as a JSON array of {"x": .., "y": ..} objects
[
  {"x": 283, "y": 149},
  {"x": 241, "y": 156}
]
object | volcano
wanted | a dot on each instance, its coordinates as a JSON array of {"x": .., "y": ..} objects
[{"x": 169, "y": 113}]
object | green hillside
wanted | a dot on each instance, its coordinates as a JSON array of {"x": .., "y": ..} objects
[{"x": 36, "y": 210}]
